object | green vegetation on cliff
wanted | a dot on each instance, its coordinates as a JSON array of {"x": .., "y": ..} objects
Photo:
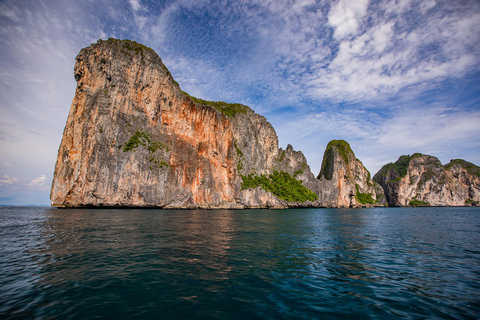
[
  {"x": 137, "y": 47},
  {"x": 400, "y": 167},
  {"x": 141, "y": 138},
  {"x": 343, "y": 148},
  {"x": 418, "y": 203},
  {"x": 239, "y": 151},
  {"x": 169, "y": 74},
  {"x": 228, "y": 109},
  {"x": 470, "y": 167},
  {"x": 240, "y": 156},
  {"x": 134, "y": 46},
  {"x": 281, "y": 184},
  {"x": 363, "y": 198},
  {"x": 138, "y": 138},
  {"x": 470, "y": 202}
]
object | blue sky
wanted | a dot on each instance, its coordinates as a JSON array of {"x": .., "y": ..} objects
[{"x": 390, "y": 77}]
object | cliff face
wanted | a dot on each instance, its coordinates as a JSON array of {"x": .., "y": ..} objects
[
  {"x": 133, "y": 138},
  {"x": 423, "y": 180},
  {"x": 344, "y": 181}
]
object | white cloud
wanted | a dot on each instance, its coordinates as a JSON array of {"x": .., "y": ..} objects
[
  {"x": 9, "y": 11},
  {"x": 38, "y": 182},
  {"x": 7, "y": 180},
  {"x": 346, "y": 17},
  {"x": 376, "y": 50},
  {"x": 135, "y": 4},
  {"x": 381, "y": 36},
  {"x": 398, "y": 6},
  {"x": 393, "y": 54},
  {"x": 140, "y": 20},
  {"x": 427, "y": 5},
  {"x": 429, "y": 128}
]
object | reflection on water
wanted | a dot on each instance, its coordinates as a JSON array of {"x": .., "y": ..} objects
[
  {"x": 113, "y": 251},
  {"x": 319, "y": 263},
  {"x": 348, "y": 244}
]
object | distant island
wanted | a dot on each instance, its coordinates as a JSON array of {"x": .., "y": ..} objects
[{"x": 133, "y": 138}]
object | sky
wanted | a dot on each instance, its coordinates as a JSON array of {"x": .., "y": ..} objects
[{"x": 391, "y": 77}]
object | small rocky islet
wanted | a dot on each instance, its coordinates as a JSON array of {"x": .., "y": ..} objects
[{"x": 133, "y": 138}]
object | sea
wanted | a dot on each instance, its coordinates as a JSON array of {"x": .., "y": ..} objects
[{"x": 371, "y": 263}]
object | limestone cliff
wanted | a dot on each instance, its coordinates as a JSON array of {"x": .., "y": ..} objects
[
  {"x": 134, "y": 138},
  {"x": 423, "y": 180},
  {"x": 344, "y": 181}
]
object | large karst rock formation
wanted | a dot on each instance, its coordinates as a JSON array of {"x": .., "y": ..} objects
[
  {"x": 422, "y": 180},
  {"x": 344, "y": 181},
  {"x": 134, "y": 138}
]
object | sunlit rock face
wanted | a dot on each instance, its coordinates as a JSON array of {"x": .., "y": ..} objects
[
  {"x": 422, "y": 180},
  {"x": 344, "y": 181},
  {"x": 133, "y": 138}
]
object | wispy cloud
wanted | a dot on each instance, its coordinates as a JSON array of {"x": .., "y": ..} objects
[
  {"x": 410, "y": 44},
  {"x": 7, "y": 180},
  {"x": 344, "y": 50},
  {"x": 9, "y": 11},
  {"x": 38, "y": 182}
]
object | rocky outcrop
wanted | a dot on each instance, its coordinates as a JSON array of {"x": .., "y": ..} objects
[
  {"x": 422, "y": 180},
  {"x": 134, "y": 138},
  {"x": 344, "y": 181}
]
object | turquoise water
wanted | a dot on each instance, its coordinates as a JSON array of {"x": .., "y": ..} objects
[{"x": 409, "y": 263}]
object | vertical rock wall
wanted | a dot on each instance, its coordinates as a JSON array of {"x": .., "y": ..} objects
[
  {"x": 344, "y": 181},
  {"x": 132, "y": 137}
]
